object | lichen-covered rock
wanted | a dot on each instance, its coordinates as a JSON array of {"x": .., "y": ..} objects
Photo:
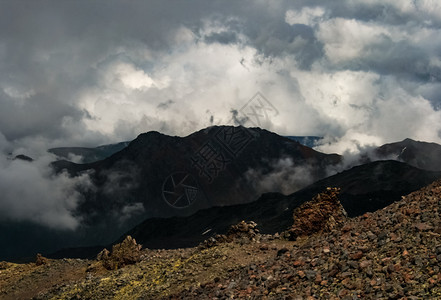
[
  {"x": 127, "y": 252},
  {"x": 323, "y": 213}
]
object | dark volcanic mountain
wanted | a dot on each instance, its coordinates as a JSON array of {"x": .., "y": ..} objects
[
  {"x": 369, "y": 187},
  {"x": 364, "y": 188},
  {"x": 89, "y": 155},
  {"x": 170, "y": 176},
  {"x": 422, "y": 155}
]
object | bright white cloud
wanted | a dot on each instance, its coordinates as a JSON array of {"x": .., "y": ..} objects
[
  {"x": 346, "y": 39},
  {"x": 131, "y": 77},
  {"x": 345, "y": 97}
]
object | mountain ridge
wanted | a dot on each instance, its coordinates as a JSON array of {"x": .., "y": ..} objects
[{"x": 419, "y": 154}]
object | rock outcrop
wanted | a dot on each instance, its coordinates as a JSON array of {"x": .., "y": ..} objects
[
  {"x": 323, "y": 213},
  {"x": 128, "y": 252}
]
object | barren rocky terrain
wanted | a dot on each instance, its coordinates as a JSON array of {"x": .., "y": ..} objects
[{"x": 393, "y": 253}]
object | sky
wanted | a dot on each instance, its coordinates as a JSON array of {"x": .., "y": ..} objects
[{"x": 87, "y": 73}]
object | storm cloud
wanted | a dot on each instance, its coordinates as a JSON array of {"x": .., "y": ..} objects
[{"x": 81, "y": 73}]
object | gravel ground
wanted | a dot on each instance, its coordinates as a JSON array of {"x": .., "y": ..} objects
[{"x": 394, "y": 253}]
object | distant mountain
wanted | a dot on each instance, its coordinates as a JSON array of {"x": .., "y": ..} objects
[
  {"x": 164, "y": 176},
  {"x": 23, "y": 157},
  {"x": 178, "y": 176},
  {"x": 422, "y": 155},
  {"x": 364, "y": 188},
  {"x": 177, "y": 188},
  {"x": 88, "y": 155},
  {"x": 369, "y": 187},
  {"x": 308, "y": 141}
]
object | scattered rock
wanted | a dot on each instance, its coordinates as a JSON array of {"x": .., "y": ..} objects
[
  {"x": 423, "y": 226},
  {"x": 282, "y": 251},
  {"x": 357, "y": 255}
]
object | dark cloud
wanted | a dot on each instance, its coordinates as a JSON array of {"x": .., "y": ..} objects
[
  {"x": 82, "y": 73},
  {"x": 166, "y": 104},
  {"x": 223, "y": 37},
  {"x": 21, "y": 118},
  {"x": 65, "y": 65}
]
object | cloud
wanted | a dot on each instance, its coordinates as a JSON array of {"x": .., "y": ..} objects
[
  {"x": 327, "y": 67},
  {"x": 285, "y": 177},
  {"x": 307, "y": 16},
  {"x": 128, "y": 211},
  {"x": 31, "y": 192},
  {"x": 83, "y": 73}
]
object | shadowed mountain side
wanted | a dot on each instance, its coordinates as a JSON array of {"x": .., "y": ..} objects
[
  {"x": 272, "y": 212},
  {"x": 364, "y": 188},
  {"x": 375, "y": 185}
]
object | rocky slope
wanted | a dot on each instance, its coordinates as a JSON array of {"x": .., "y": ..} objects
[{"x": 393, "y": 253}]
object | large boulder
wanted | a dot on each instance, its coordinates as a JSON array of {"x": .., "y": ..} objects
[{"x": 323, "y": 213}]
